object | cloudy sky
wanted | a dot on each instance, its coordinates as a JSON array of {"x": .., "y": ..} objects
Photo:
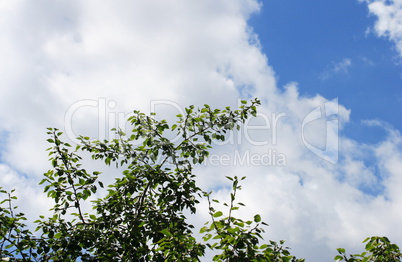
[{"x": 323, "y": 159}]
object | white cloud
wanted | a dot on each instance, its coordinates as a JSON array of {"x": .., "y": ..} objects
[
  {"x": 121, "y": 56},
  {"x": 389, "y": 20}
]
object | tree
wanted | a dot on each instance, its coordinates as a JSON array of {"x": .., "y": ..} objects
[
  {"x": 142, "y": 216},
  {"x": 377, "y": 249}
]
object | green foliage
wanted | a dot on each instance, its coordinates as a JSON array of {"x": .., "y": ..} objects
[
  {"x": 142, "y": 215},
  {"x": 15, "y": 239},
  {"x": 377, "y": 249},
  {"x": 238, "y": 240}
]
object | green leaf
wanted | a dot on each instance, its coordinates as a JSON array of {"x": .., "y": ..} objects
[
  {"x": 203, "y": 230},
  {"x": 218, "y": 214},
  {"x": 166, "y": 232},
  {"x": 207, "y": 237},
  {"x": 341, "y": 250}
]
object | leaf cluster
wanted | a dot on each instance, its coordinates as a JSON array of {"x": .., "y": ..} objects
[
  {"x": 377, "y": 249},
  {"x": 141, "y": 218},
  {"x": 238, "y": 240}
]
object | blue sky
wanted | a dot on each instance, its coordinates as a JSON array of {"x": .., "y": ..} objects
[
  {"x": 83, "y": 66},
  {"x": 304, "y": 40}
]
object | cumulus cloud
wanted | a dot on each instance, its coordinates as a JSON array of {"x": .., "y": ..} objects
[
  {"x": 83, "y": 66},
  {"x": 389, "y": 20}
]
